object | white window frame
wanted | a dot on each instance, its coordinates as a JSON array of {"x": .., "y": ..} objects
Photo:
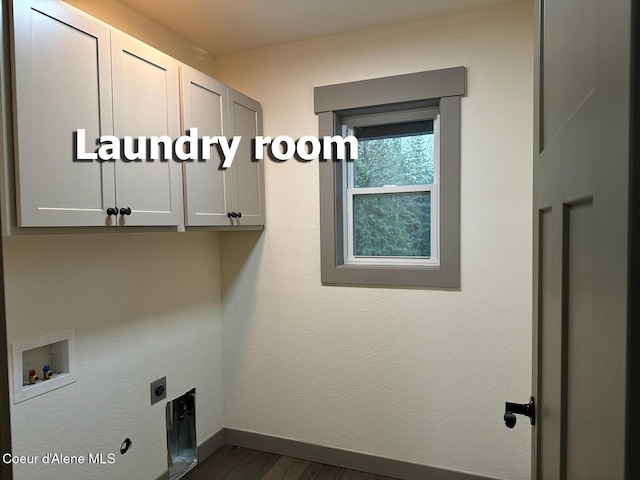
[{"x": 389, "y": 118}]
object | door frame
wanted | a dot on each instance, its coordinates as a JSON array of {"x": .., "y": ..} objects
[
  {"x": 632, "y": 462},
  {"x": 6, "y": 472}
]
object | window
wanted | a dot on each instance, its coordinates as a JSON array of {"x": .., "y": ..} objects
[
  {"x": 391, "y": 191},
  {"x": 392, "y": 217}
]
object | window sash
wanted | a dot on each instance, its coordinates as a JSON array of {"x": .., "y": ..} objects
[
  {"x": 433, "y": 260},
  {"x": 350, "y": 191}
]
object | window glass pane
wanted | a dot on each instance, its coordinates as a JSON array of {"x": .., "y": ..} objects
[
  {"x": 392, "y": 225},
  {"x": 395, "y": 159}
]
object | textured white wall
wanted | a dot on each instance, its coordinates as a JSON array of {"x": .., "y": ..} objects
[
  {"x": 143, "y": 306},
  {"x": 416, "y": 375}
]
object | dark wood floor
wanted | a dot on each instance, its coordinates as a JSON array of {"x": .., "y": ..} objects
[{"x": 236, "y": 463}]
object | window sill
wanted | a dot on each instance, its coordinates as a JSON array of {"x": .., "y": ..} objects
[{"x": 427, "y": 276}]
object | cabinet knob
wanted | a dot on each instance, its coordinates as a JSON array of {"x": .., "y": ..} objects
[
  {"x": 239, "y": 215},
  {"x": 112, "y": 211},
  {"x": 232, "y": 215},
  {"x": 125, "y": 211}
]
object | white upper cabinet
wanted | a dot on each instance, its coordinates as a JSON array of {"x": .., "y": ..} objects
[
  {"x": 214, "y": 196},
  {"x": 72, "y": 72},
  {"x": 62, "y": 83},
  {"x": 146, "y": 103},
  {"x": 246, "y": 179},
  {"x": 204, "y": 106}
]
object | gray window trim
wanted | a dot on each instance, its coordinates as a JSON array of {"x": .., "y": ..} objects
[{"x": 332, "y": 103}]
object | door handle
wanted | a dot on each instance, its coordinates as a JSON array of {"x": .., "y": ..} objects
[{"x": 527, "y": 409}]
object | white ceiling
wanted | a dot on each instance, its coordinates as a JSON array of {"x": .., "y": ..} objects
[{"x": 224, "y": 26}]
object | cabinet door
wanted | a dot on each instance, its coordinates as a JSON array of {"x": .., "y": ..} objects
[
  {"x": 204, "y": 106},
  {"x": 246, "y": 175},
  {"x": 62, "y": 84},
  {"x": 146, "y": 103}
]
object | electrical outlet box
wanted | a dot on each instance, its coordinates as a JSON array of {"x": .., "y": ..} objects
[{"x": 158, "y": 390}]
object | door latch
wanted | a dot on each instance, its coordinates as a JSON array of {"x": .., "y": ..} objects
[{"x": 527, "y": 409}]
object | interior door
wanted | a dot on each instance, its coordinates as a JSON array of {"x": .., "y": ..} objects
[{"x": 581, "y": 195}]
